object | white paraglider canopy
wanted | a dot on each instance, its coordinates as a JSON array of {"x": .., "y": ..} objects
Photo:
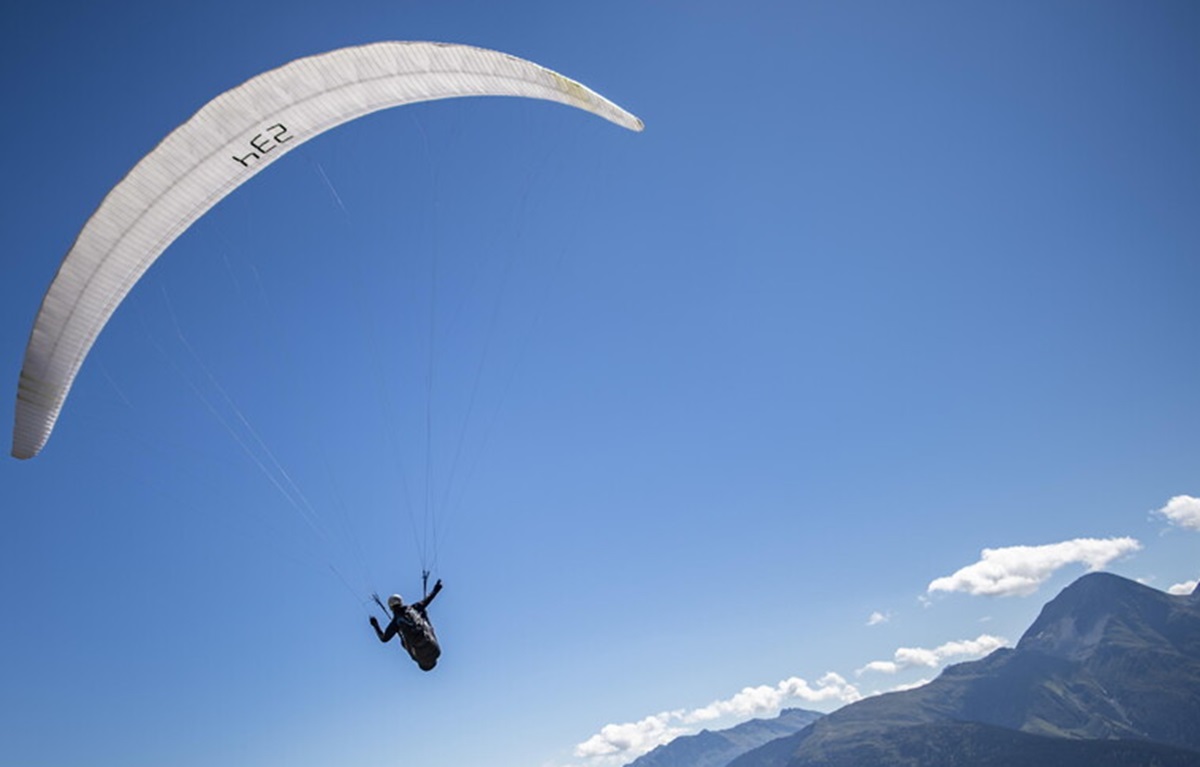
[{"x": 233, "y": 137}]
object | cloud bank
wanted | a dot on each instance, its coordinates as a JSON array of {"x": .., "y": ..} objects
[
  {"x": 1182, "y": 511},
  {"x": 1020, "y": 570},
  {"x": 620, "y": 743},
  {"x": 909, "y": 657}
]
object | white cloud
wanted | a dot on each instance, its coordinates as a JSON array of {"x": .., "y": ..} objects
[
  {"x": 882, "y": 666},
  {"x": 908, "y": 657},
  {"x": 877, "y": 618},
  {"x": 1020, "y": 570},
  {"x": 1182, "y": 510},
  {"x": 916, "y": 656},
  {"x": 909, "y": 686},
  {"x": 632, "y": 739},
  {"x": 1187, "y": 587},
  {"x": 618, "y": 744}
]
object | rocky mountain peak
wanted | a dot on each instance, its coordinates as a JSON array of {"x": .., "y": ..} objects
[{"x": 1096, "y": 609}]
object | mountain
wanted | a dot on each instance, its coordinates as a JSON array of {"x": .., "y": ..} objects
[
  {"x": 1107, "y": 660},
  {"x": 968, "y": 744},
  {"x": 716, "y": 749}
]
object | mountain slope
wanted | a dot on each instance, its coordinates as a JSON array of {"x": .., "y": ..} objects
[
  {"x": 968, "y": 744},
  {"x": 1106, "y": 659}
]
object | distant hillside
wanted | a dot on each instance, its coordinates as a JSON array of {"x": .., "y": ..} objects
[
  {"x": 716, "y": 749},
  {"x": 1108, "y": 659}
]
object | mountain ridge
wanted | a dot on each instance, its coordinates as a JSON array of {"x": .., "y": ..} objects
[
  {"x": 709, "y": 748},
  {"x": 1107, "y": 660}
]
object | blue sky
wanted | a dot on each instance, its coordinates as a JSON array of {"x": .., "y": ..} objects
[{"x": 746, "y": 396}]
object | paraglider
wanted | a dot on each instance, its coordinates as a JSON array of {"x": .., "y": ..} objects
[
  {"x": 233, "y": 137},
  {"x": 411, "y": 623}
]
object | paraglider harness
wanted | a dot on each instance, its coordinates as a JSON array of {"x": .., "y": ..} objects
[{"x": 414, "y": 629}]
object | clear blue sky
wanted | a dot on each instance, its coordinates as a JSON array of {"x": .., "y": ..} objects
[{"x": 881, "y": 286}]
